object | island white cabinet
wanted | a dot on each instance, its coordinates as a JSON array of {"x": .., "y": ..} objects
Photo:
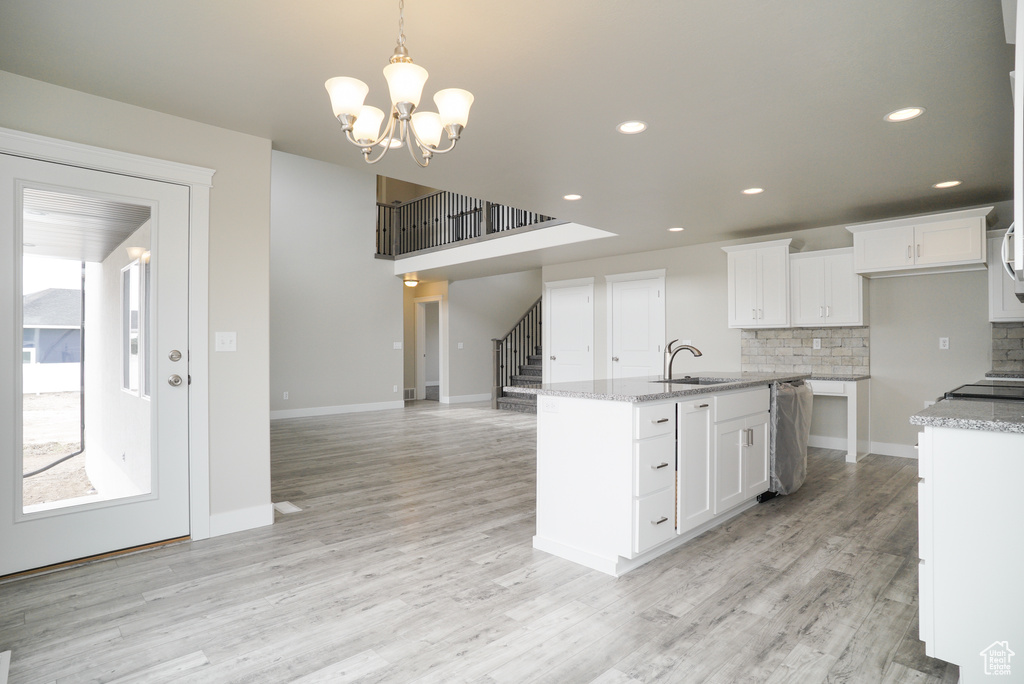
[
  {"x": 1003, "y": 305},
  {"x": 741, "y": 447},
  {"x": 937, "y": 243},
  {"x": 825, "y": 290},
  {"x": 758, "y": 284},
  {"x": 619, "y": 483},
  {"x": 970, "y": 548},
  {"x": 695, "y": 464}
]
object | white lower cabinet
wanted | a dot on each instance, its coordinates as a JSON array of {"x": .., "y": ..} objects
[
  {"x": 971, "y": 550},
  {"x": 741, "y": 460},
  {"x": 693, "y": 485}
]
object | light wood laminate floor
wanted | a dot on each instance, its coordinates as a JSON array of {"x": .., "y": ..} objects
[{"x": 411, "y": 561}]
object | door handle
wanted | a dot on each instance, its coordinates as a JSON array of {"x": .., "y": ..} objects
[
  {"x": 174, "y": 380},
  {"x": 658, "y": 522},
  {"x": 552, "y": 358},
  {"x": 659, "y": 467},
  {"x": 615, "y": 358}
]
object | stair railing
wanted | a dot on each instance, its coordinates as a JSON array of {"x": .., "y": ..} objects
[
  {"x": 444, "y": 218},
  {"x": 514, "y": 349}
]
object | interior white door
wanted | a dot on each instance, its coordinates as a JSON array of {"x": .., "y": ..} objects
[
  {"x": 128, "y": 240},
  {"x": 638, "y": 327},
  {"x": 569, "y": 324}
]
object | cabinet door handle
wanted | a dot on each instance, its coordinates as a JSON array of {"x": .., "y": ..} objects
[
  {"x": 910, "y": 254},
  {"x": 659, "y": 467},
  {"x": 828, "y": 311},
  {"x": 919, "y": 251},
  {"x": 659, "y": 421},
  {"x": 658, "y": 522},
  {"x": 753, "y": 313},
  {"x": 760, "y": 313},
  {"x": 821, "y": 312}
]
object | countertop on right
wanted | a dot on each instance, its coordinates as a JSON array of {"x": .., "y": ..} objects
[{"x": 971, "y": 414}]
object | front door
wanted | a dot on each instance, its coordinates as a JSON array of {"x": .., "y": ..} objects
[{"x": 93, "y": 362}]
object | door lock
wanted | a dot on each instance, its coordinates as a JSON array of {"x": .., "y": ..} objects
[
  {"x": 174, "y": 380},
  {"x": 175, "y": 355}
]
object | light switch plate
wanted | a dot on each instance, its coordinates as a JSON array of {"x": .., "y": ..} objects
[
  {"x": 816, "y": 343},
  {"x": 225, "y": 342},
  {"x": 398, "y": 345}
]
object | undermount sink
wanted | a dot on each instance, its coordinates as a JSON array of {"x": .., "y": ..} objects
[{"x": 687, "y": 380}]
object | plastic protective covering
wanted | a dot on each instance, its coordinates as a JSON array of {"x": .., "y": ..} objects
[{"x": 791, "y": 423}]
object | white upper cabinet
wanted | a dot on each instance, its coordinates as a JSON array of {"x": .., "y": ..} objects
[
  {"x": 759, "y": 284},
  {"x": 825, "y": 290},
  {"x": 954, "y": 241},
  {"x": 1003, "y": 305}
]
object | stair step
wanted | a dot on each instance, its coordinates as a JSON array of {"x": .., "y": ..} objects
[
  {"x": 535, "y": 359},
  {"x": 527, "y": 380},
  {"x": 519, "y": 394},
  {"x": 518, "y": 404},
  {"x": 531, "y": 370}
]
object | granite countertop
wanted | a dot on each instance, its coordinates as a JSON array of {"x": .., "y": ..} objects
[
  {"x": 971, "y": 414},
  {"x": 654, "y": 389},
  {"x": 840, "y": 378},
  {"x": 1009, "y": 375}
]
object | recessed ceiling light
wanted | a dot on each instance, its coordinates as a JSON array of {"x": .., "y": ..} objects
[
  {"x": 947, "y": 184},
  {"x": 572, "y": 198},
  {"x": 676, "y": 229},
  {"x": 753, "y": 191},
  {"x": 631, "y": 127},
  {"x": 905, "y": 114}
]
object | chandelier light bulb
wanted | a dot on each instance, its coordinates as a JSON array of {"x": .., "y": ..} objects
[
  {"x": 347, "y": 95},
  {"x": 405, "y": 82},
  {"x": 366, "y": 128},
  {"x": 453, "y": 106},
  {"x": 427, "y": 126}
]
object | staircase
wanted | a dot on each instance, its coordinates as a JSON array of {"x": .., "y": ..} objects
[{"x": 529, "y": 375}]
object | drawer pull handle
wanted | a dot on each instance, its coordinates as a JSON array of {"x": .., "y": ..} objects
[
  {"x": 701, "y": 405},
  {"x": 659, "y": 467},
  {"x": 658, "y": 422},
  {"x": 658, "y": 522}
]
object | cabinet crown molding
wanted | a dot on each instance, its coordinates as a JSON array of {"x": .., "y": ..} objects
[
  {"x": 759, "y": 245},
  {"x": 980, "y": 212}
]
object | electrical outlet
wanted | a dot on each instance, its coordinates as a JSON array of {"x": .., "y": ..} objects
[
  {"x": 285, "y": 395},
  {"x": 225, "y": 342},
  {"x": 816, "y": 343},
  {"x": 460, "y": 345},
  {"x": 943, "y": 343},
  {"x": 929, "y": 403},
  {"x": 689, "y": 342},
  {"x": 394, "y": 388},
  {"x": 398, "y": 345}
]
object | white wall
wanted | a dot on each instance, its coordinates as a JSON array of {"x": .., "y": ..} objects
[
  {"x": 335, "y": 310},
  {"x": 907, "y": 316},
  {"x": 478, "y": 311},
  {"x": 239, "y": 264}
]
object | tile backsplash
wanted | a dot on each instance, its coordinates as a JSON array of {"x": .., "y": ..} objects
[
  {"x": 844, "y": 351},
  {"x": 1008, "y": 347}
]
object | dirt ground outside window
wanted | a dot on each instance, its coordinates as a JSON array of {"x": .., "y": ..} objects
[{"x": 50, "y": 429}]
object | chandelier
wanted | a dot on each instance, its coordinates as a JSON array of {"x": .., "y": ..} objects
[{"x": 406, "y": 125}]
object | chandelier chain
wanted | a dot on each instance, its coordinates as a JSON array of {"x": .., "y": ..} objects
[{"x": 401, "y": 22}]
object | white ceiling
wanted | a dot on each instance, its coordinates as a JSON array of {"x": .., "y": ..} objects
[{"x": 784, "y": 94}]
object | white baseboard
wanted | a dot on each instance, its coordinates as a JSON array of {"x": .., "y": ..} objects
[
  {"x": 335, "y": 410},
  {"x": 5, "y": 664},
  {"x": 823, "y": 442},
  {"x": 889, "y": 449},
  {"x": 466, "y": 398},
  {"x": 428, "y": 383},
  {"x": 241, "y": 519}
]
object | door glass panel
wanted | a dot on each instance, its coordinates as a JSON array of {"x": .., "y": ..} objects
[{"x": 86, "y": 414}]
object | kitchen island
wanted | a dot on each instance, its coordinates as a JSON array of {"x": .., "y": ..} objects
[
  {"x": 971, "y": 546},
  {"x": 629, "y": 469}
]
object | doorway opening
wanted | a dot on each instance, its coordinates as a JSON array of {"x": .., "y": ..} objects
[{"x": 430, "y": 366}]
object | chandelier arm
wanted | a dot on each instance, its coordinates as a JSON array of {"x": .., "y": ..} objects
[
  {"x": 412, "y": 152},
  {"x": 428, "y": 148},
  {"x": 386, "y": 137}
]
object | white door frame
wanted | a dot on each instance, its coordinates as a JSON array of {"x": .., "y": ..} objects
[
  {"x": 199, "y": 180},
  {"x": 442, "y": 345},
  {"x": 546, "y": 317},
  {"x": 621, "y": 278}
]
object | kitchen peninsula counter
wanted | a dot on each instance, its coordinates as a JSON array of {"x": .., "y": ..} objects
[{"x": 639, "y": 390}]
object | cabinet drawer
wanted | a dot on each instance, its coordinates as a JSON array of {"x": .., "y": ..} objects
[
  {"x": 655, "y": 464},
  {"x": 729, "y": 406},
  {"x": 829, "y": 387},
  {"x": 654, "y": 520},
  {"x": 658, "y": 419}
]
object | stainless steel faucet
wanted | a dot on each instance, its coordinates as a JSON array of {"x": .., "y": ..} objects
[{"x": 670, "y": 355}]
